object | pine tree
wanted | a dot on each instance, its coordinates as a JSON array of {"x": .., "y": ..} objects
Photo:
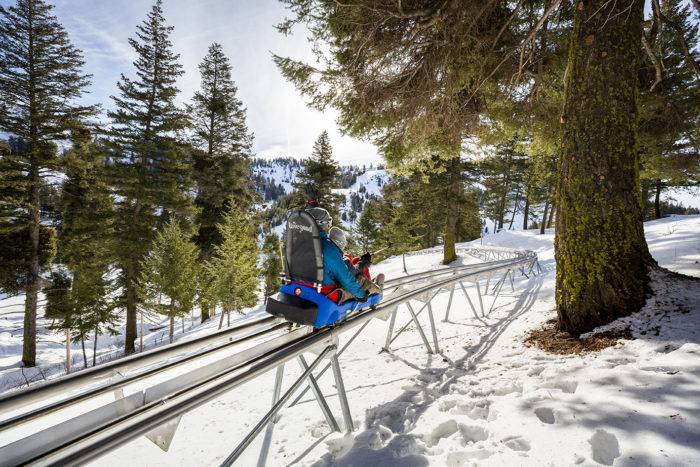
[
  {"x": 367, "y": 228},
  {"x": 318, "y": 178},
  {"x": 670, "y": 109},
  {"x": 169, "y": 273},
  {"x": 150, "y": 167},
  {"x": 233, "y": 268},
  {"x": 223, "y": 143},
  {"x": 272, "y": 262},
  {"x": 41, "y": 79},
  {"x": 85, "y": 245},
  {"x": 601, "y": 252}
]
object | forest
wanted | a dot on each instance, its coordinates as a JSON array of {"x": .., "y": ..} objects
[{"x": 577, "y": 116}]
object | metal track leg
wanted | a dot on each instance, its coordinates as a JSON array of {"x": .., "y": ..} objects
[
  {"x": 510, "y": 274},
  {"x": 464, "y": 291},
  {"x": 486, "y": 289},
  {"x": 432, "y": 325},
  {"x": 497, "y": 289},
  {"x": 342, "y": 395},
  {"x": 405, "y": 326},
  {"x": 481, "y": 301},
  {"x": 449, "y": 303},
  {"x": 389, "y": 333},
  {"x": 319, "y": 396},
  {"x": 420, "y": 329},
  {"x": 279, "y": 376},
  {"x": 325, "y": 368},
  {"x": 274, "y": 410}
]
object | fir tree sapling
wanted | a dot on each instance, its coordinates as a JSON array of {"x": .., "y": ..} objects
[{"x": 169, "y": 274}]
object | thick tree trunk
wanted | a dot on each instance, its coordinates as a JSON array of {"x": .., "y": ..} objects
[
  {"x": 452, "y": 214},
  {"x": 526, "y": 211},
  {"x": 130, "y": 289},
  {"x": 543, "y": 223},
  {"x": 33, "y": 282},
  {"x": 205, "y": 311},
  {"x": 657, "y": 200},
  {"x": 601, "y": 253}
]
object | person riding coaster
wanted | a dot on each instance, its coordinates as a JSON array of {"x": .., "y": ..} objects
[
  {"x": 358, "y": 265},
  {"x": 319, "y": 287}
]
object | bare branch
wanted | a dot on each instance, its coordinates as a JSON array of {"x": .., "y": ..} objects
[{"x": 654, "y": 60}]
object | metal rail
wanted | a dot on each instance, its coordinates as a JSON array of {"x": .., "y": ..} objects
[{"x": 141, "y": 413}]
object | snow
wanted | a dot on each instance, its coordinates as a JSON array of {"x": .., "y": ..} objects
[{"x": 487, "y": 399}]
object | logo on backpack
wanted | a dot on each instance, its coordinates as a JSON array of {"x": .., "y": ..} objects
[{"x": 300, "y": 227}]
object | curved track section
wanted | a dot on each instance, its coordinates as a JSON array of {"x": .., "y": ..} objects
[{"x": 244, "y": 352}]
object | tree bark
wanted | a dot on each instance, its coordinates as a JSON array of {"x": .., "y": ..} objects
[
  {"x": 172, "y": 328},
  {"x": 452, "y": 214},
  {"x": 552, "y": 213},
  {"x": 32, "y": 288},
  {"x": 600, "y": 249},
  {"x": 526, "y": 211},
  {"x": 515, "y": 210},
  {"x": 657, "y": 200},
  {"x": 82, "y": 345},
  {"x": 130, "y": 287},
  {"x": 205, "y": 311}
]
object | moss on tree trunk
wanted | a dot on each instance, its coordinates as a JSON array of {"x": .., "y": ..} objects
[{"x": 601, "y": 253}]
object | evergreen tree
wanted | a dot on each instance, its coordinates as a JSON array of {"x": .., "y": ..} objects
[
  {"x": 670, "y": 108},
  {"x": 41, "y": 79},
  {"x": 272, "y": 262},
  {"x": 367, "y": 229},
  {"x": 150, "y": 171},
  {"x": 602, "y": 256},
  {"x": 318, "y": 178},
  {"x": 223, "y": 143},
  {"x": 85, "y": 246},
  {"x": 233, "y": 268},
  {"x": 170, "y": 270}
]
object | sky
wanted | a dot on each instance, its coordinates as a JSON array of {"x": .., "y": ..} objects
[{"x": 277, "y": 115}]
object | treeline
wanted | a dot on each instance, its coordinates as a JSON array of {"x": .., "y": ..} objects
[{"x": 149, "y": 213}]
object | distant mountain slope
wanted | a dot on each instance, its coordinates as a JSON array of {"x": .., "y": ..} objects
[{"x": 273, "y": 179}]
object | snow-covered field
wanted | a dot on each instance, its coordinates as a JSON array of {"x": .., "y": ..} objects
[{"x": 488, "y": 399}]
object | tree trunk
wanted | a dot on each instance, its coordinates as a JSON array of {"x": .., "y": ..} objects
[
  {"x": 32, "y": 288},
  {"x": 172, "y": 328},
  {"x": 221, "y": 320},
  {"x": 657, "y": 200},
  {"x": 543, "y": 223},
  {"x": 601, "y": 253},
  {"x": 205, "y": 311},
  {"x": 526, "y": 211},
  {"x": 515, "y": 210},
  {"x": 552, "y": 213},
  {"x": 452, "y": 214},
  {"x": 130, "y": 289},
  {"x": 94, "y": 349},
  {"x": 82, "y": 345}
]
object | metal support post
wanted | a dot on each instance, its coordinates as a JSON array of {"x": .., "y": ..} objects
[
  {"x": 420, "y": 328},
  {"x": 319, "y": 396},
  {"x": 342, "y": 395},
  {"x": 464, "y": 291},
  {"x": 274, "y": 410},
  {"x": 390, "y": 331},
  {"x": 510, "y": 274},
  {"x": 497, "y": 289},
  {"x": 279, "y": 376},
  {"x": 432, "y": 325},
  {"x": 325, "y": 368},
  {"x": 486, "y": 289},
  {"x": 449, "y": 303},
  {"x": 405, "y": 326},
  {"x": 481, "y": 301}
]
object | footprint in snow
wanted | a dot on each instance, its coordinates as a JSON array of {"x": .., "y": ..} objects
[
  {"x": 517, "y": 443},
  {"x": 459, "y": 458},
  {"x": 545, "y": 414},
  {"x": 472, "y": 434},
  {"x": 443, "y": 430},
  {"x": 604, "y": 447},
  {"x": 535, "y": 370},
  {"x": 566, "y": 386}
]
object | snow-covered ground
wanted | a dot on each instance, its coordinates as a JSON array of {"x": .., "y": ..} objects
[{"x": 488, "y": 399}]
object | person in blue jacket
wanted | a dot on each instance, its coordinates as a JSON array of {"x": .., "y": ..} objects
[{"x": 336, "y": 272}]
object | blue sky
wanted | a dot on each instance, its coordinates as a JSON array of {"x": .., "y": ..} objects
[{"x": 277, "y": 114}]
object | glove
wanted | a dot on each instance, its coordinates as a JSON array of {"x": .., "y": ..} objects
[{"x": 365, "y": 261}]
